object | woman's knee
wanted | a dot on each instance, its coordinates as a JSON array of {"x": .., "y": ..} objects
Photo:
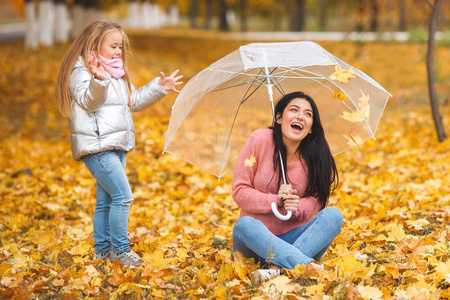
[
  {"x": 334, "y": 217},
  {"x": 243, "y": 223}
]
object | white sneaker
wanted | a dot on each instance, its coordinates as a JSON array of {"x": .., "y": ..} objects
[
  {"x": 262, "y": 275},
  {"x": 127, "y": 258},
  {"x": 104, "y": 255}
]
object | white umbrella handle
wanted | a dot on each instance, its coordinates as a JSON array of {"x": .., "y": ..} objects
[{"x": 278, "y": 215}]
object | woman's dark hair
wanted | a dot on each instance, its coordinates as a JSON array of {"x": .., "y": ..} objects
[{"x": 322, "y": 173}]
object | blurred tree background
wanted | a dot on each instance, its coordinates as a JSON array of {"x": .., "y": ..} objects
[{"x": 237, "y": 15}]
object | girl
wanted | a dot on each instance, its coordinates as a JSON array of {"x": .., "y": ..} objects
[
  {"x": 311, "y": 175},
  {"x": 95, "y": 93}
]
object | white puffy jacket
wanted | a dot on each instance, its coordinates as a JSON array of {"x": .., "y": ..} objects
[{"x": 101, "y": 118}]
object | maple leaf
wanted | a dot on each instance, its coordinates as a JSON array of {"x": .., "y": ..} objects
[
  {"x": 353, "y": 140},
  {"x": 341, "y": 74},
  {"x": 279, "y": 285},
  {"x": 249, "y": 162},
  {"x": 339, "y": 95},
  {"x": 362, "y": 113},
  {"x": 368, "y": 292}
]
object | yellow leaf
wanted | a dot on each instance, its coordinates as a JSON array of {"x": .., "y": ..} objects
[
  {"x": 182, "y": 253},
  {"x": 158, "y": 259},
  {"x": 417, "y": 224},
  {"x": 362, "y": 113},
  {"x": 202, "y": 276},
  {"x": 341, "y": 74},
  {"x": 226, "y": 270},
  {"x": 315, "y": 289},
  {"x": 96, "y": 282},
  {"x": 339, "y": 95},
  {"x": 353, "y": 117},
  {"x": 249, "y": 162},
  {"x": 353, "y": 140},
  {"x": 241, "y": 271},
  {"x": 81, "y": 249},
  {"x": 21, "y": 260},
  {"x": 396, "y": 234},
  {"x": 58, "y": 282},
  {"x": 278, "y": 285},
  {"x": 368, "y": 292},
  {"x": 347, "y": 264},
  {"x": 364, "y": 105}
]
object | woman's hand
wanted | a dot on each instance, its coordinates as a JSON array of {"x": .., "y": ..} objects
[
  {"x": 288, "y": 198},
  {"x": 97, "y": 68},
  {"x": 169, "y": 83},
  {"x": 291, "y": 202},
  {"x": 285, "y": 189}
]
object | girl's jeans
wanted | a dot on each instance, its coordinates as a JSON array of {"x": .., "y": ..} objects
[
  {"x": 113, "y": 200},
  {"x": 299, "y": 246}
]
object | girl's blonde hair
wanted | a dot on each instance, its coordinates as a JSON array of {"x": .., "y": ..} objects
[{"x": 88, "y": 40}]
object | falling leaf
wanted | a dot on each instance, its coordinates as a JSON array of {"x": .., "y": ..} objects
[
  {"x": 339, "y": 95},
  {"x": 353, "y": 140},
  {"x": 249, "y": 162},
  {"x": 341, "y": 74}
]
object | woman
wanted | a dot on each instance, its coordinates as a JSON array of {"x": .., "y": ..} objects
[{"x": 311, "y": 176}]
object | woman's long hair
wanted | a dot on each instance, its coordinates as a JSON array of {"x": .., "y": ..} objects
[
  {"x": 88, "y": 40},
  {"x": 322, "y": 173}
]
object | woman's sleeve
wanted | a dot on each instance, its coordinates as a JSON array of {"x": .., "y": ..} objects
[
  {"x": 87, "y": 91},
  {"x": 308, "y": 207},
  {"x": 147, "y": 95},
  {"x": 244, "y": 193}
]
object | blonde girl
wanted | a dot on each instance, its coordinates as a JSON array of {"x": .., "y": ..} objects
[{"x": 95, "y": 93}]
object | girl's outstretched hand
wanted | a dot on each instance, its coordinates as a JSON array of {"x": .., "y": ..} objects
[
  {"x": 97, "y": 68},
  {"x": 169, "y": 83}
]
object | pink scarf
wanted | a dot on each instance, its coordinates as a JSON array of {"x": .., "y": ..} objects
[{"x": 113, "y": 66}]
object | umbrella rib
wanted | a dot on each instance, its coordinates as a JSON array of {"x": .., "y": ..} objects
[
  {"x": 234, "y": 121},
  {"x": 236, "y": 114}
]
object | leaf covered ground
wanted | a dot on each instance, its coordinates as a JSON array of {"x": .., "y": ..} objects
[{"x": 394, "y": 191}]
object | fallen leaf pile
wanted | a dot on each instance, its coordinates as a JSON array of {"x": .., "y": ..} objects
[{"x": 394, "y": 192}]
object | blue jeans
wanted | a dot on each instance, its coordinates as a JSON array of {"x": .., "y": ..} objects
[
  {"x": 113, "y": 200},
  {"x": 301, "y": 245}
]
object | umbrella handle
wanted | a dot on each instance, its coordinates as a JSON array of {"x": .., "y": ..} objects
[{"x": 278, "y": 215}]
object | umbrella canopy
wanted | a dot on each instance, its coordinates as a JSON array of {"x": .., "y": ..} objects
[{"x": 222, "y": 105}]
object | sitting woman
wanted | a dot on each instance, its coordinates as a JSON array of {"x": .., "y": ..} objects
[{"x": 311, "y": 176}]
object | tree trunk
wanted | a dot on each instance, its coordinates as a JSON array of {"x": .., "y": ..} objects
[
  {"x": 374, "y": 15},
  {"x": 193, "y": 12},
  {"x": 360, "y": 15},
  {"x": 31, "y": 38},
  {"x": 92, "y": 10},
  {"x": 208, "y": 14},
  {"x": 323, "y": 18},
  {"x": 61, "y": 18},
  {"x": 298, "y": 16},
  {"x": 133, "y": 14},
  {"x": 223, "y": 21},
  {"x": 402, "y": 15},
  {"x": 46, "y": 22},
  {"x": 243, "y": 5},
  {"x": 174, "y": 15},
  {"x": 430, "y": 70}
]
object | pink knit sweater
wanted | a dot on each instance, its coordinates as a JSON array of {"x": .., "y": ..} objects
[{"x": 255, "y": 186}]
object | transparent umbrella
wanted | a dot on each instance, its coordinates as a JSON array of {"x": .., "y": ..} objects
[{"x": 222, "y": 105}]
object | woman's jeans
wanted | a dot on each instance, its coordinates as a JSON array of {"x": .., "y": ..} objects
[
  {"x": 299, "y": 246},
  {"x": 113, "y": 200}
]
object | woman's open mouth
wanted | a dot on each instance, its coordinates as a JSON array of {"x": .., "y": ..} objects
[{"x": 297, "y": 127}]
